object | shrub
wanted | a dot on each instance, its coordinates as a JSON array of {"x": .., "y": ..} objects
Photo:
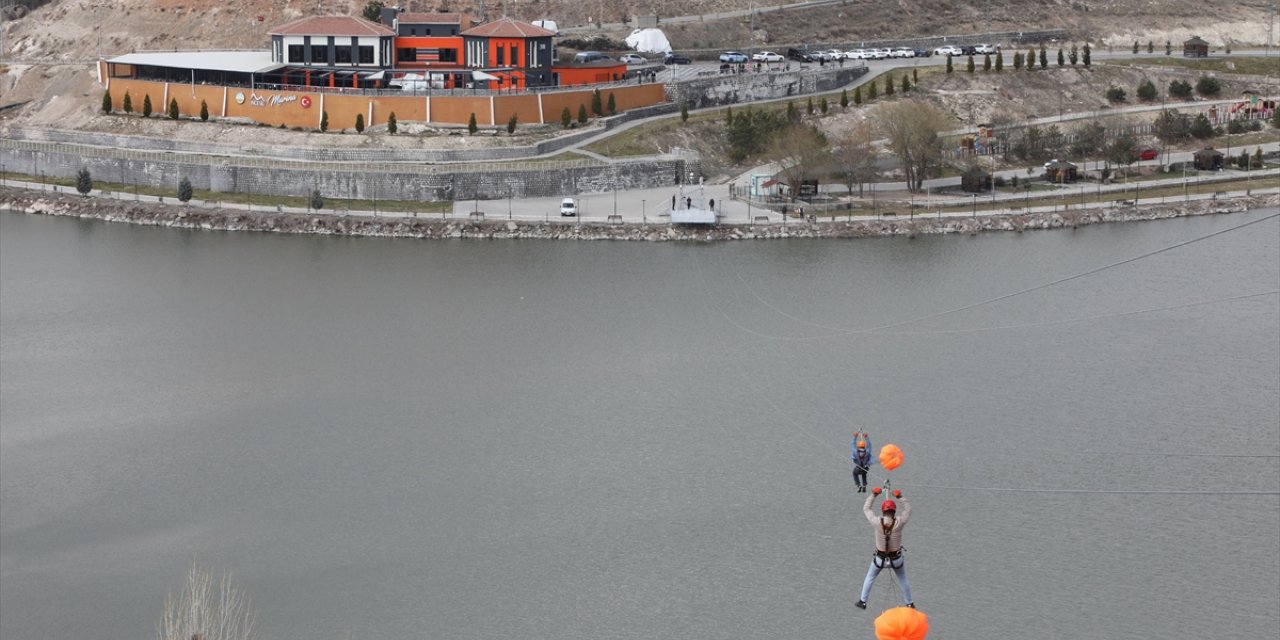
[
  {"x": 173, "y": 108},
  {"x": 1237, "y": 126},
  {"x": 512, "y": 123},
  {"x": 915, "y": 74},
  {"x": 472, "y": 127},
  {"x": 857, "y": 91},
  {"x": 1168, "y": 48},
  {"x": 728, "y": 116},
  {"x": 949, "y": 66},
  {"x": 1151, "y": 48},
  {"x": 324, "y": 121},
  {"x": 1180, "y": 89},
  {"x": 822, "y": 104},
  {"x": 1084, "y": 56},
  {"x": 844, "y": 98},
  {"x": 1201, "y": 129},
  {"x": 1017, "y": 60},
  {"x": 84, "y": 182},
  {"x": 127, "y": 105},
  {"x": 316, "y": 202},
  {"x": 999, "y": 61},
  {"x": 1061, "y": 60},
  {"x": 146, "y": 106},
  {"x": 184, "y": 191},
  {"x": 582, "y": 113},
  {"x": 792, "y": 114},
  {"x": 392, "y": 125},
  {"x": 597, "y": 104},
  {"x": 1115, "y": 94},
  {"x": 204, "y": 111},
  {"x": 1135, "y": 46},
  {"x": 906, "y": 84},
  {"x": 359, "y": 123},
  {"x": 888, "y": 84},
  {"x": 998, "y": 181},
  {"x": 986, "y": 62},
  {"x": 969, "y": 65},
  {"x": 566, "y": 118},
  {"x": 1255, "y": 125},
  {"x": 1147, "y": 91},
  {"x": 872, "y": 91},
  {"x": 1030, "y": 59},
  {"x": 106, "y": 101},
  {"x": 1208, "y": 86},
  {"x": 1074, "y": 55},
  {"x": 1044, "y": 58},
  {"x": 809, "y": 106},
  {"x": 611, "y": 105}
]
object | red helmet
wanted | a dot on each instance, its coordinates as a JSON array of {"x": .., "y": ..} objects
[{"x": 888, "y": 505}]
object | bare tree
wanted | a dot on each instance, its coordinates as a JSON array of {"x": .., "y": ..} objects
[
  {"x": 801, "y": 153},
  {"x": 912, "y": 128},
  {"x": 205, "y": 611},
  {"x": 854, "y": 158}
]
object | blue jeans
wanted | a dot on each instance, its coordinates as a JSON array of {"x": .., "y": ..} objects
[{"x": 899, "y": 567}]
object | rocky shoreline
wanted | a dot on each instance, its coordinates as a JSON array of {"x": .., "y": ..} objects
[{"x": 181, "y": 217}]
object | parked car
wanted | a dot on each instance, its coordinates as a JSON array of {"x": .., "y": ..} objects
[
  {"x": 733, "y": 56},
  {"x": 675, "y": 58},
  {"x": 966, "y": 50},
  {"x": 856, "y": 54},
  {"x": 633, "y": 58},
  {"x": 767, "y": 56},
  {"x": 589, "y": 56},
  {"x": 881, "y": 54},
  {"x": 922, "y": 53},
  {"x": 568, "y": 207},
  {"x": 800, "y": 55},
  {"x": 833, "y": 54},
  {"x": 980, "y": 49},
  {"x": 903, "y": 52},
  {"x": 948, "y": 50},
  {"x": 1148, "y": 153}
]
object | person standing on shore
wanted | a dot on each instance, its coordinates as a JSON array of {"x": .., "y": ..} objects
[
  {"x": 860, "y": 456},
  {"x": 888, "y": 532}
]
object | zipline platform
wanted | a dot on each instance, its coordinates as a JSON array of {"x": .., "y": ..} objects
[{"x": 693, "y": 215}]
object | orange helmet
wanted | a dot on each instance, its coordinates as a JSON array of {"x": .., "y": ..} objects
[{"x": 862, "y": 444}]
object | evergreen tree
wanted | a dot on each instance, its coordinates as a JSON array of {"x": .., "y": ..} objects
[
  {"x": 969, "y": 65},
  {"x": 106, "y": 101},
  {"x": 316, "y": 202},
  {"x": 1044, "y": 58},
  {"x": 84, "y": 182},
  {"x": 857, "y": 91},
  {"x": 986, "y": 62},
  {"x": 360, "y": 122},
  {"x": 1017, "y": 60},
  {"x": 582, "y": 113},
  {"x": 1257, "y": 157},
  {"x": 1135, "y": 46},
  {"x": 906, "y": 83},
  {"x": 512, "y": 123},
  {"x": 1062, "y": 61},
  {"x": 949, "y": 67},
  {"x": 127, "y": 105},
  {"x": 1147, "y": 91},
  {"x": 1074, "y": 55},
  {"x": 822, "y": 105},
  {"x": 1115, "y": 94},
  {"x": 1180, "y": 89},
  {"x": 915, "y": 75},
  {"x": 809, "y": 106},
  {"x": 728, "y": 116},
  {"x": 146, "y": 106},
  {"x": 392, "y": 125},
  {"x": 871, "y": 91},
  {"x": 1030, "y": 59},
  {"x": 184, "y": 190},
  {"x": 684, "y": 112},
  {"x": 1168, "y": 47},
  {"x": 324, "y": 121},
  {"x": 844, "y": 98},
  {"x": 999, "y": 61},
  {"x": 1208, "y": 86},
  {"x": 173, "y": 108},
  {"x": 597, "y": 104},
  {"x": 792, "y": 114},
  {"x": 204, "y": 111},
  {"x": 888, "y": 84},
  {"x": 372, "y": 11},
  {"x": 1201, "y": 128},
  {"x": 472, "y": 127},
  {"x": 1151, "y": 48},
  {"x": 566, "y": 118},
  {"x": 611, "y": 105},
  {"x": 1084, "y": 58}
]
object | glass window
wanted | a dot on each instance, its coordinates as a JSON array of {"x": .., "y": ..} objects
[
  {"x": 502, "y": 56},
  {"x": 448, "y": 55},
  {"x": 407, "y": 55},
  {"x": 366, "y": 55},
  {"x": 295, "y": 53},
  {"x": 319, "y": 54},
  {"x": 344, "y": 55}
]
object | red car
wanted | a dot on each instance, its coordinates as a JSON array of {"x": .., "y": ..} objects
[{"x": 1148, "y": 153}]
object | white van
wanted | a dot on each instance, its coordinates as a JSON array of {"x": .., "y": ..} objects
[{"x": 568, "y": 207}]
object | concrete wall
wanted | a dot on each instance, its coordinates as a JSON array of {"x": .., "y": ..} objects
[
  {"x": 533, "y": 180},
  {"x": 724, "y": 89},
  {"x": 303, "y": 109}
]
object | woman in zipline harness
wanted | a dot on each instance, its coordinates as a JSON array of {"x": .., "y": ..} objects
[
  {"x": 888, "y": 529},
  {"x": 860, "y": 456}
]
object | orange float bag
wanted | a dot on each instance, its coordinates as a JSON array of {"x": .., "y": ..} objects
[
  {"x": 890, "y": 457},
  {"x": 902, "y": 623}
]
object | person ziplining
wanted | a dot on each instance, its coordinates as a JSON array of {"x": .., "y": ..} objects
[
  {"x": 860, "y": 456},
  {"x": 888, "y": 538}
]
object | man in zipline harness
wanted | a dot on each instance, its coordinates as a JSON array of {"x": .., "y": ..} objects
[
  {"x": 860, "y": 456},
  {"x": 888, "y": 529}
]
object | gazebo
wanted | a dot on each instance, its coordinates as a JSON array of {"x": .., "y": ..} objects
[
  {"x": 975, "y": 179},
  {"x": 1196, "y": 47},
  {"x": 1059, "y": 171},
  {"x": 1207, "y": 159}
]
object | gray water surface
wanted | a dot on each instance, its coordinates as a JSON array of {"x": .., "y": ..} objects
[{"x": 579, "y": 440}]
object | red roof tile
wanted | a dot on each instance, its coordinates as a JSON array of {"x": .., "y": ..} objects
[
  {"x": 332, "y": 26},
  {"x": 508, "y": 28},
  {"x": 433, "y": 18}
]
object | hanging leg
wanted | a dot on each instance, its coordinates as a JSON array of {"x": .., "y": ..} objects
[
  {"x": 900, "y": 570},
  {"x": 872, "y": 572}
]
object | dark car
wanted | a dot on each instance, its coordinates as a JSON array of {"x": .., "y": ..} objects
[
  {"x": 800, "y": 55},
  {"x": 924, "y": 53},
  {"x": 675, "y": 58},
  {"x": 967, "y": 50}
]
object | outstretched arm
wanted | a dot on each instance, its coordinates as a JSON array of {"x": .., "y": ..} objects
[{"x": 866, "y": 506}]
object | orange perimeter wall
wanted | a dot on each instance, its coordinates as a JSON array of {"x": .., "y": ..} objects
[{"x": 290, "y": 108}]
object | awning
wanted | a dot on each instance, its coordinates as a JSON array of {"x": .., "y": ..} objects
[{"x": 480, "y": 75}]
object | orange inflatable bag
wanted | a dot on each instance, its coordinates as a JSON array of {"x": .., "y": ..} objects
[
  {"x": 890, "y": 456},
  {"x": 902, "y": 623}
]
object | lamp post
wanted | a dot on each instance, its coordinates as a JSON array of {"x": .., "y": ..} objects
[{"x": 643, "y": 218}]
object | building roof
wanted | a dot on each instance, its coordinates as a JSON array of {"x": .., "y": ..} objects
[
  {"x": 1207, "y": 151},
  {"x": 1196, "y": 40},
  {"x": 1059, "y": 164},
  {"x": 332, "y": 26},
  {"x": 235, "y": 61},
  {"x": 508, "y": 28},
  {"x": 430, "y": 18}
]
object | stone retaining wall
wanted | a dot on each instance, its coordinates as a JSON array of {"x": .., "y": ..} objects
[
  {"x": 718, "y": 90},
  {"x": 229, "y": 220}
]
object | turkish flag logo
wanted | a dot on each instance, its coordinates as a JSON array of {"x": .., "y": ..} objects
[{"x": 306, "y": 102}]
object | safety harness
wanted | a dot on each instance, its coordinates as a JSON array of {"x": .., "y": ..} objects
[{"x": 883, "y": 556}]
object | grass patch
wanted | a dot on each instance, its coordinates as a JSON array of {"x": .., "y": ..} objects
[
  {"x": 1252, "y": 65},
  {"x": 68, "y": 185}
]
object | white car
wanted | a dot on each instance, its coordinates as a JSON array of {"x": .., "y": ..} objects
[
  {"x": 833, "y": 54},
  {"x": 632, "y": 58},
  {"x": 568, "y": 207},
  {"x": 767, "y": 56},
  {"x": 949, "y": 50},
  {"x": 981, "y": 49},
  {"x": 856, "y": 54},
  {"x": 903, "y": 52}
]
